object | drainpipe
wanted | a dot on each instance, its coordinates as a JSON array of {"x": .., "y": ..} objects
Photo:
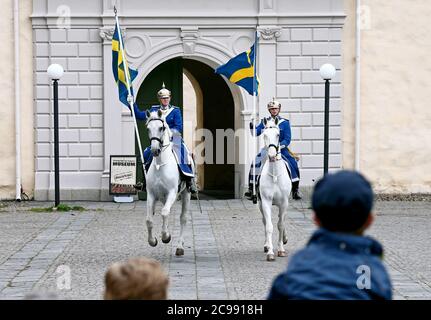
[
  {"x": 17, "y": 102},
  {"x": 358, "y": 86}
]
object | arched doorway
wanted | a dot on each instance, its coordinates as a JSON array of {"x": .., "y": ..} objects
[{"x": 212, "y": 109}]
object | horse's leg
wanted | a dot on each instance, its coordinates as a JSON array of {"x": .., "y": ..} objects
[
  {"x": 284, "y": 235},
  {"x": 185, "y": 198},
  {"x": 166, "y": 210},
  {"x": 150, "y": 212},
  {"x": 281, "y": 230},
  {"x": 266, "y": 211},
  {"x": 265, "y": 247}
]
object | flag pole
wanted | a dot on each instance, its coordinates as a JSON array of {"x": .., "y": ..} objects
[
  {"x": 130, "y": 99},
  {"x": 254, "y": 114}
]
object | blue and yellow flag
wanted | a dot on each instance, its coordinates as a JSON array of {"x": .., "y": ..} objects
[
  {"x": 241, "y": 71},
  {"x": 118, "y": 69}
]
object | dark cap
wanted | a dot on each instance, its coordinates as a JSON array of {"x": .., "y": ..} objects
[{"x": 342, "y": 201}]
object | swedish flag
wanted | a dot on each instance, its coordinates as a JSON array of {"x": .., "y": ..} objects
[
  {"x": 118, "y": 67},
  {"x": 241, "y": 71}
]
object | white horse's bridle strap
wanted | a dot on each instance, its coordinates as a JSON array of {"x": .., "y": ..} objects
[{"x": 159, "y": 140}]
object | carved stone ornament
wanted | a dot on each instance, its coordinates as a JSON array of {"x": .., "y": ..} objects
[
  {"x": 189, "y": 36},
  {"x": 269, "y": 33},
  {"x": 106, "y": 33}
]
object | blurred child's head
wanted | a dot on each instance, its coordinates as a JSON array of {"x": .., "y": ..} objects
[
  {"x": 138, "y": 278},
  {"x": 342, "y": 202}
]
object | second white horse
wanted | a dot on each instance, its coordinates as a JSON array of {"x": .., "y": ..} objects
[{"x": 274, "y": 189}]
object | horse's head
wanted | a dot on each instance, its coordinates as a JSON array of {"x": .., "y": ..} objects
[
  {"x": 271, "y": 135},
  {"x": 158, "y": 132}
]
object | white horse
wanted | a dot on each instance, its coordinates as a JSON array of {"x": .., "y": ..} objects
[
  {"x": 274, "y": 189},
  {"x": 163, "y": 180}
]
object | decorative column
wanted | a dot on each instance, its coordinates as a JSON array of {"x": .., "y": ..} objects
[{"x": 267, "y": 65}]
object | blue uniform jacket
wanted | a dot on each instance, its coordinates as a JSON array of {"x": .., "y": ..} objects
[
  {"x": 284, "y": 139},
  {"x": 173, "y": 119},
  {"x": 175, "y": 123},
  {"x": 285, "y": 132},
  {"x": 330, "y": 266}
]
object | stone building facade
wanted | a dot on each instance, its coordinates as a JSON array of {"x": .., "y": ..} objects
[{"x": 295, "y": 40}]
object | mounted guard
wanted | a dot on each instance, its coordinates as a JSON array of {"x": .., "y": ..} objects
[
  {"x": 173, "y": 118},
  {"x": 284, "y": 141}
]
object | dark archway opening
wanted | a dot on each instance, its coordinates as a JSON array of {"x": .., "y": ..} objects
[{"x": 217, "y": 110}]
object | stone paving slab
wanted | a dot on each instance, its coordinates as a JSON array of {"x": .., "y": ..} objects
[{"x": 223, "y": 259}]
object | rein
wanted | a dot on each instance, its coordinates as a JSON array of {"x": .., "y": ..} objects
[{"x": 164, "y": 146}]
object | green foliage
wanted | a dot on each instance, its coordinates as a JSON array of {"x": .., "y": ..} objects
[{"x": 61, "y": 207}]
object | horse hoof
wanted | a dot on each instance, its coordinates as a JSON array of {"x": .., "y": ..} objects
[
  {"x": 153, "y": 244},
  {"x": 167, "y": 240},
  {"x": 179, "y": 252},
  {"x": 265, "y": 249},
  {"x": 284, "y": 240},
  {"x": 281, "y": 253},
  {"x": 270, "y": 257}
]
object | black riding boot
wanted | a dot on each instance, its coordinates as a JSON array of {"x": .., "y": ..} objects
[
  {"x": 140, "y": 186},
  {"x": 295, "y": 191},
  {"x": 249, "y": 193},
  {"x": 191, "y": 185}
]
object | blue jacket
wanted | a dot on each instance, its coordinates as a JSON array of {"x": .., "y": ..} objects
[
  {"x": 285, "y": 135},
  {"x": 285, "y": 132},
  {"x": 173, "y": 119},
  {"x": 330, "y": 266}
]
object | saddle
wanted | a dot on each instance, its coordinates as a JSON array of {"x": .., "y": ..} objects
[{"x": 140, "y": 186}]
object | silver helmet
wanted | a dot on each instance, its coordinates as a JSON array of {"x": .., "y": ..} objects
[
  {"x": 274, "y": 104},
  {"x": 163, "y": 92}
]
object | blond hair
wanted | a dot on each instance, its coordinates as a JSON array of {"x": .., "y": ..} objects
[{"x": 138, "y": 278}]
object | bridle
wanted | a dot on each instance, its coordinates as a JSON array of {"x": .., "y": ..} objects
[
  {"x": 158, "y": 139},
  {"x": 276, "y": 146}
]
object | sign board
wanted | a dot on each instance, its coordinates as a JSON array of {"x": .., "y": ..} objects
[{"x": 122, "y": 175}]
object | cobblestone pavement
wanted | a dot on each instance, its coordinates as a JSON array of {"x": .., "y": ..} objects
[{"x": 223, "y": 259}]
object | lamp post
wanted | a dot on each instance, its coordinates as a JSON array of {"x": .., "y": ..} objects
[
  {"x": 55, "y": 72},
  {"x": 327, "y": 72}
]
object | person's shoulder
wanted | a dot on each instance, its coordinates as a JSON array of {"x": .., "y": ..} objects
[
  {"x": 310, "y": 256},
  {"x": 175, "y": 109},
  {"x": 306, "y": 252}
]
